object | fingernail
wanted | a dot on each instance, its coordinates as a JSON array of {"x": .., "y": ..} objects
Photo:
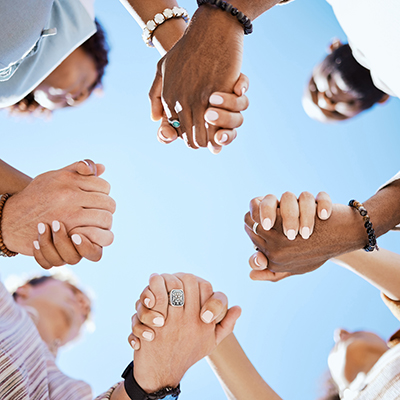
[
  {"x": 244, "y": 90},
  {"x": 56, "y": 226},
  {"x": 291, "y": 234},
  {"x": 324, "y": 214},
  {"x": 207, "y": 316},
  {"x": 257, "y": 262},
  {"x": 305, "y": 232},
  {"x": 36, "y": 245},
  {"x": 155, "y": 274},
  {"x": 148, "y": 335},
  {"x": 267, "y": 224},
  {"x": 224, "y": 138},
  {"x": 163, "y": 137},
  {"x": 215, "y": 99},
  {"x": 213, "y": 149},
  {"x": 211, "y": 115},
  {"x": 133, "y": 343},
  {"x": 84, "y": 161},
  {"x": 76, "y": 239},
  {"x": 41, "y": 228},
  {"x": 147, "y": 302},
  {"x": 158, "y": 321}
]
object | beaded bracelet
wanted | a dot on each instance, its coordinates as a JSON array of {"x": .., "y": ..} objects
[
  {"x": 223, "y": 5},
  {"x": 372, "y": 244},
  {"x": 159, "y": 19},
  {"x": 3, "y": 248}
]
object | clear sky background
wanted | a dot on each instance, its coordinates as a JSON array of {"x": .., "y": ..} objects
[{"x": 182, "y": 210}]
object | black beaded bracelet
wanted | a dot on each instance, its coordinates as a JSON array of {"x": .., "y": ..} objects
[
  {"x": 372, "y": 244},
  {"x": 223, "y": 5}
]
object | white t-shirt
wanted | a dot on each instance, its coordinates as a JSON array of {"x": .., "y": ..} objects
[
  {"x": 373, "y": 31},
  {"x": 395, "y": 178}
]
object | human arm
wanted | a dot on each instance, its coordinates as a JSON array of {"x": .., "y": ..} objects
[
  {"x": 12, "y": 180},
  {"x": 380, "y": 268}
]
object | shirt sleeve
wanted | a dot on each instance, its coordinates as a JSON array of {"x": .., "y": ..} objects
[
  {"x": 107, "y": 395},
  {"x": 395, "y": 178}
]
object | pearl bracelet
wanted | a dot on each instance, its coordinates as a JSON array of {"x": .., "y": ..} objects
[{"x": 160, "y": 18}]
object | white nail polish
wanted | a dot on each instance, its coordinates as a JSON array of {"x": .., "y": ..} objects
[
  {"x": 163, "y": 137},
  {"x": 158, "y": 321},
  {"x": 133, "y": 343},
  {"x": 257, "y": 262},
  {"x": 36, "y": 245},
  {"x": 324, "y": 214},
  {"x": 41, "y": 228},
  {"x": 305, "y": 232},
  {"x": 224, "y": 138},
  {"x": 267, "y": 224},
  {"x": 56, "y": 226},
  {"x": 211, "y": 115},
  {"x": 207, "y": 316},
  {"x": 244, "y": 90},
  {"x": 216, "y": 99},
  {"x": 291, "y": 234},
  {"x": 147, "y": 302},
  {"x": 84, "y": 161},
  {"x": 76, "y": 239},
  {"x": 147, "y": 335}
]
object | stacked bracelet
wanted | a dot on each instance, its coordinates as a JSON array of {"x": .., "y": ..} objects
[
  {"x": 372, "y": 244},
  {"x": 3, "y": 248},
  {"x": 159, "y": 19},
  {"x": 223, "y": 5}
]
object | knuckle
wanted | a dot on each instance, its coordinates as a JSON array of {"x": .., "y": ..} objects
[
  {"x": 189, "y": 279},
  {"x": 307, "y": 196},
  {"x": 206, "y": 286}
]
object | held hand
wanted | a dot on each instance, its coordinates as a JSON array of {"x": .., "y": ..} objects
[
  {"x": 206, "y": 59},
  {"x": 177, "y": 333},
  {"x": 72, "y": 195}
]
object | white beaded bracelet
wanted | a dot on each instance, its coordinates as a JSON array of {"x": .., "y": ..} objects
[{"x": 160, "y": 18}]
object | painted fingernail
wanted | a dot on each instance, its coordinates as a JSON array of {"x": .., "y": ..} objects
[
  {"x": 291, "y": 234},
  {"x": 76, "y": 239},
  {"x": 41, "y": 228},
  {"x": 267, "y": 224},
  {"x": 158, "y": 321},
  {"x": 147, "y": 302},
  {"x": 133, "y": 343},
  {"x": 211, "y": 115},
  {"x": 56, "y": 226},
  {"x": 244, "y": 90},
  {"x": 215, "y": 99},
  {"x": 84, "y": 161},
  {"x": 305, "y": 232},
  {"x": 213, "y": 149},
  {"x": 257, "y": 262},
  {"x": 36, "y": 245},
  {"x": 224, "y": 138},
  {"x": 148, "y": 335},
  {"x": 163, "y": 137},
  {"x": 207, "y": 316},
  {"x": 324, "y": 214},
  {"x": 155, "y": 274}
]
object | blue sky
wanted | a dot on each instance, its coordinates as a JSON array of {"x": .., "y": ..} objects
[{"x": 182, "y": 210}]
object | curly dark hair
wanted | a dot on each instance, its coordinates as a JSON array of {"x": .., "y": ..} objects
[{"x": 97, "y": 47}]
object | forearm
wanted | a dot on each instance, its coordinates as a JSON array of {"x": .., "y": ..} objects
[
  {"x": 238, "y": 377},
  {"x": 380, "y": 268},
  {"x": 166, "y": 34},
  {"x": 119, "y": 393},
  {"x": 12, "y": 180}
]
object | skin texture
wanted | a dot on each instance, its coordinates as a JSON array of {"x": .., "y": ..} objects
[
  {"x": 183, "y": 337},
  {"x": 72, "y": 194}
]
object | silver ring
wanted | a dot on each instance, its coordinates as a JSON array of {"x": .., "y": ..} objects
[
  {"x": 176, "y": 298},
  {"x": 178, "y": 107},
  {"x": 175, "y": 123},
  {"x": 255, "y": 228}
]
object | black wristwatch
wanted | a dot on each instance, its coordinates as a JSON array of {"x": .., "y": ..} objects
[{"x": 135, "y": 392}]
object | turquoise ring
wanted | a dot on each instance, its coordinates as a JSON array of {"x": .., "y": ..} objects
[{"x": 175, "y": 123}]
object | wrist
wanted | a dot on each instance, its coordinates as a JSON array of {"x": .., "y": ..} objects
[
  {"x": 168, "y": 33},
  {"x": 7, "y": 226}
]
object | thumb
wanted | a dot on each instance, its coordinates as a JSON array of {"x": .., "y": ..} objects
[
  {"x": 225, "y": 327},
  {"x": 155, "y": 97},
  {"x": 242, "y": 85},
  {"x": 86, "y": 167}
]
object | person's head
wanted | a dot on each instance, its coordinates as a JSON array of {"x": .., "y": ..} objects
[
  {"x": 354, "y": 353},
  {"x": 61, "y": 307},
  {"x": 73, "y": 81},
  {"x": 340, "y": 88}
]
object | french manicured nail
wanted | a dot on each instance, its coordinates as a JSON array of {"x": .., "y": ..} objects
[
  {"x": 41, "y": 228},
  {"x": 267, "y": 224},
  {"x": 207, "y": 316},
  {"x": 215, "y": 99},
  {"x": 224, "y": 138},
  {"x": 305, "y": 232},
  {"x": 147, "y": 302},
  {"x": 291, "y": 234},
  {"x": 148, "y": 335},
  {"x": 133, "y": 343},
  {"x": 158, "y": 321},
  {"x": 56, "y": 226},
  {"x": 324, "y": 214},
  {"x": 211, "y": 115},
  {"x": 76, "y": 239},
  {"x": 257, "y": 262},
  {"x": 36, "y": 245},
  {"x": 84, "y": 161},
  {"x": 163, "y": 137}
]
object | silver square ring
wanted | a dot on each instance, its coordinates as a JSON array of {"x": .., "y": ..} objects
[{"x": 176, "y": 298}]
